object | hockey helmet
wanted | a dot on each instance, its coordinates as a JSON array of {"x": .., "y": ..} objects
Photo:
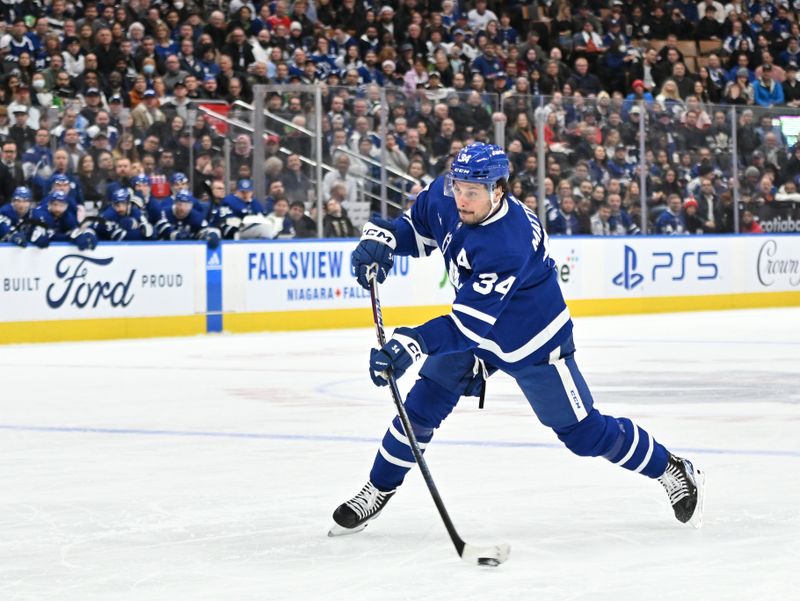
[
  {"x": 478, "y": 163},
  {"x": 121, "y": 195},
  {"x": 22, "y": 193}
]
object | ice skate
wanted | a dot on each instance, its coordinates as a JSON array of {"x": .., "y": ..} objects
[
  {"x": 685, "y": 486},
  {"x": 354, "y": 515}
]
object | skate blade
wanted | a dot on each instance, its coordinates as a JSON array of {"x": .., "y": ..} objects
[
  {"x": 337, "y": 530},
  {"x": 700, "y": 480}
]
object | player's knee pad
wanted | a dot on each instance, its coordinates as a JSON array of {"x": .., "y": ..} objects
[
  {"x": 595, "y": 435},
  {"x": 428, "y": 403}
]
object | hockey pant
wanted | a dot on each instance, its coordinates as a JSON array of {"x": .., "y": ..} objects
[{"x": 555, "y": 390}]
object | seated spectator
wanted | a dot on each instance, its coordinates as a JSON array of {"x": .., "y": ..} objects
[
  {"x": 601, "y": 226},
  {"x": 278, "y": 220},
  {"x": 336, "y": 223},
  {"x": 749, "y": 224},
  {"x": 671, "y": 221},
  {"x": 304, "y": 226},
  {"x": 768, "y": 92}
]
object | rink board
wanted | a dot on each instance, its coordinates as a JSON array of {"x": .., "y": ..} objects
[{"x": 171, "y": 289}]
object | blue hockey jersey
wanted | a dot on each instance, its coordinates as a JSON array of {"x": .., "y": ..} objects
[
  {"x": 133, "y": 226},
  {"x": 55, "y": 229},
  {"x": 9, "y": 220},
  {"x": 508, "y": 309}
]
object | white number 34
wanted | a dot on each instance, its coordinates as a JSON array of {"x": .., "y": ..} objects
[{"x": 488, "y": 282}]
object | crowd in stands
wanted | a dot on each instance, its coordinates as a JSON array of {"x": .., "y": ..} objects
[{"x": 100, "y": 137}]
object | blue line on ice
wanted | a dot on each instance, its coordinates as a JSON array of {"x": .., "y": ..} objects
[{"x": 356, "y": 439}]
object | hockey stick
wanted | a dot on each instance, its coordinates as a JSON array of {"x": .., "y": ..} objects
[{"x": 484, "y": 556}]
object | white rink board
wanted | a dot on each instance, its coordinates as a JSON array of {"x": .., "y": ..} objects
[
  {"x": 298, "y": 276},
  {"x": 599, "y": 268},
  {"x": 113, "y": 280}
]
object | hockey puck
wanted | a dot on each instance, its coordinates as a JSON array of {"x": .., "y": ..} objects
[{"x": 488, "y": 561}]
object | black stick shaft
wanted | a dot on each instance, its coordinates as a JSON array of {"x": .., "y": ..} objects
[{"x": 412, "y": 439}]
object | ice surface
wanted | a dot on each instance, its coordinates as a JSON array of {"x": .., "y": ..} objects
[{"x": 208, "y": 468}]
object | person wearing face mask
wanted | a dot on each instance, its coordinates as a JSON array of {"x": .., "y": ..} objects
[{"x": 41, "y": 95}]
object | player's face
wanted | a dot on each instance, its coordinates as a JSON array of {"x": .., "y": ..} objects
[
  {"x": 121, "y": 208},
  {"x": 473, "y": 201},
  {"x": 246, "y": 195},
  {"x": 181, "y": 209},
  {"x": 57, "y": 207},
  {"x": 21, "y": 207}
]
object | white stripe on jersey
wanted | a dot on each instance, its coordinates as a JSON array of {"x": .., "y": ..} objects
[
  {"x": 632, "y": 450},
  {"x": 573, "y": 396},
  {"x": 649, "y": 454},
  {"x": 466, "y": 310},
  {"x": 499, "y": 215},
  {"x": 394, "y": 460},
  {"x": 400, "y": 437},
  {"x": 527, "y": 349},
  {"x": 422, "y": 241}
]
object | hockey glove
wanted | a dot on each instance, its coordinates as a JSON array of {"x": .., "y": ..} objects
[
  {"x": 40, "y": 237},
  {"x": 377, "y": 245},
  {"x": 19, "y": 239},
  {"x": 212, "y": 240},
  {"x": 180, "y": 235},
  {"x": 86, "y": 240},
  {"x": 398, "y": 354}
]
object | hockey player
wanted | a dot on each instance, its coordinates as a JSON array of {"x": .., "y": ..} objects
[
  {"x": 58, "y": 222},
  {"x": 508, "y": 314},
  {"x": 230, "y": 215},
  {"x": 14, "y": 217},
  {"x": 181, "y": 222},
  {"x": 123, "y": 220},
  {"x": 144, "y": 199}
]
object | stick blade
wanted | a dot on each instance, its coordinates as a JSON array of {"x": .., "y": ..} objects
[{"x": 486, "y": 556}]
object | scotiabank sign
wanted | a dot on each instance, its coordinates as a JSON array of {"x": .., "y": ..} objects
[{"x": 779, "y": 263}]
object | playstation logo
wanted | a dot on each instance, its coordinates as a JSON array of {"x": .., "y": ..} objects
[{"x": 628, "y": 277}]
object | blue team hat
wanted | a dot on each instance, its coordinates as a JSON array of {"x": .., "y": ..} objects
[
  {"x": 57, "y": 196},
  {"x": 245, "y": 185},
  {"x": 179, "y": 178},
  {"x": 480, "y": 163},
  {"x": 121, "y": 195},
  {"x": 60, "y": 178},
  {"x": 140, "y": 179},
  {"x": 22, "y": 193},
  {"x": 184, "y": 196}
]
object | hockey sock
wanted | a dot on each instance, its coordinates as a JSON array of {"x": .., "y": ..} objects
[
  {"x": 617, "y": 439},
  {"x": 636, "y": 450},
  {"x": 394, "y": 457}
]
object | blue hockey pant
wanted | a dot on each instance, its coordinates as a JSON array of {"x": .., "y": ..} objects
[{"x": 555, "y": 390}]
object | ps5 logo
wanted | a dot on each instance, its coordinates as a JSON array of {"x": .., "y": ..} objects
[
  {"x": 688, "y": 265},
  {"x": 628, "y": 278}
]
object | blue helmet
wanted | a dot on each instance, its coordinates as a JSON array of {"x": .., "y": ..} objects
[
  {"x": 141, "y": 178},
  {"x": 60, "y": 178},
  {"x": 57, "y": 196},
  {"x": 121, "y": 195},
  {"x": 179, "y": 178},
  {"x": 22, "y": 193},
  {"x": 184, "y": 196},
  {"x": 480, "y": 163}
]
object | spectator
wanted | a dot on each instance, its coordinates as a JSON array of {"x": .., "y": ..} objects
[
  {"x": 341, "y": 174},
  {"x": 768, "y": 93},
  {"x": 304, "y": 226},
  {"x": 671, "y": 221},
  {"x": 749, "y": 224},
  {"x": 336, "y": 223}
]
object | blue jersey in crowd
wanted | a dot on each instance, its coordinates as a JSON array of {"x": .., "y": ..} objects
[
  {"x": 485, "y": 263},
  {"x": 670, "y": 223}
]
